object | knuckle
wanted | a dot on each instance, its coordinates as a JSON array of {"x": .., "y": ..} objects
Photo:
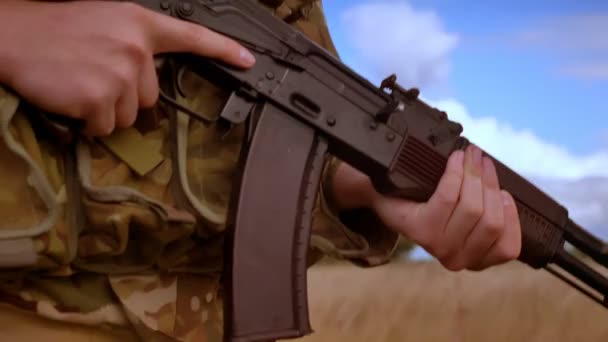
[
  {"x": 447, "y": 198},
  {"x": 125, "y": 73},
  {"x": 125, "y": 118},
  {"x": 508, "y": 252},
  {"x": 105, "y": 130},
  {"x": 514, "y": 252},
  {"x": 123, "y": 78},
  {"x": 473, "y": 210},
  {"x": 492, "y": 225},
  {"x": 135, "y": 50},
  {"x": 453, "y": 264},
  {"x": 150, "y": 99},
  {"x": 95, "y": 96},
  {"x": 96, "y": 128}
]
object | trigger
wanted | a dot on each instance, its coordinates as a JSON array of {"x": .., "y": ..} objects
[{"x": 179, "y": 76}]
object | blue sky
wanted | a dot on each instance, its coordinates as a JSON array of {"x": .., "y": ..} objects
[
  {"x": 518, "y": 83},
  {"x": 527, "y": 79}
]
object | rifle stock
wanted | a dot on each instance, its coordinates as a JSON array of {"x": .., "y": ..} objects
[{"x": 312, "y": 104}]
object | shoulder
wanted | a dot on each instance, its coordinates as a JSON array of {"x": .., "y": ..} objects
[{"x": 308, "y": 16}]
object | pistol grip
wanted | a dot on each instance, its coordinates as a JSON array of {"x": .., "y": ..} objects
[{"x": 269, "y": 230}]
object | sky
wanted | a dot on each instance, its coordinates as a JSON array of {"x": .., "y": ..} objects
[{"x": 527, "y": 79}]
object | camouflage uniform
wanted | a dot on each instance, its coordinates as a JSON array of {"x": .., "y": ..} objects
[{"x": 121, "y": 238}]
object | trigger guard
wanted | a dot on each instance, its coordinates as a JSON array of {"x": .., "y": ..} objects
[
  {"x": 178, "y": 81},
  {"x": 205, "y": 119}
]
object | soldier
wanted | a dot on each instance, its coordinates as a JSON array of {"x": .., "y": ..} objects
[{"x": 120, "y": 238}]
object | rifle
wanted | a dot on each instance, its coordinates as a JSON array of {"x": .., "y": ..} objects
[{"x": 301, "y": 103}]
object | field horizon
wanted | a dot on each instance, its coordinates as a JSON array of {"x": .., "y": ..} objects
[{"x": 421, "y": 301}]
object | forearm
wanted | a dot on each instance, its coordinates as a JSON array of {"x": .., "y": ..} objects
[
  {"x": 348, "y": 188},
  {"x": 345, "y": 223}
]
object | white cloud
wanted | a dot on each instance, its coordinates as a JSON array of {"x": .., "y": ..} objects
[
  {"x": 575, "y": 32},
  {"x": 522, "y": 150},
  {"x": 586, "y": 200},
  {"x": 591, "y": 71},
  {"x": 578, "y": 40},
  {"x": 392, "y": 37}
]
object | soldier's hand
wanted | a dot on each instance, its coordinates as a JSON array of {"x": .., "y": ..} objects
[
  {"x": 93, "y": 60},
  {"x": 468, "y": 223}
]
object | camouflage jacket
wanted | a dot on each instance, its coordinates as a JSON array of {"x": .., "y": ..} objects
[{"x": 121, "y": 238}]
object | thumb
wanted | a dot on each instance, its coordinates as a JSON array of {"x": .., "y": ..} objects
[
  {"x": 398, "y": 214},
  {"x": 168, "y": 34}
]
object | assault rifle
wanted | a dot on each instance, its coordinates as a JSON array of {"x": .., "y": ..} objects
[{"x": 301, "y": 103}]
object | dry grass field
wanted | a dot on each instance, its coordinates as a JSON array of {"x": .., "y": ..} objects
[{"x": 420, "y": 301}]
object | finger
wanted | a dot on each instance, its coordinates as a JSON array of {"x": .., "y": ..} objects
[
  {"x": 508, "y": 245},
  {"x": 173, "y": 35},
  {"x": 467, "y": 213},
  {"x": 406, "y": 216},
  {"x": 100, "y": 122},
  {"x": 490, "y": 226},
  {"x": 148, "y": 84},
  {"x": 126, "y": 108},
  {"x": 435, "y": 213}
]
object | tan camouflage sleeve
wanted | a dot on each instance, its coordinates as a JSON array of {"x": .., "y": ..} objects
[{"x": 356, "y": 235}]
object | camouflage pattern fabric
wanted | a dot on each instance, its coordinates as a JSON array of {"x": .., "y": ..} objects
[{"x": 120, "y": 238}]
